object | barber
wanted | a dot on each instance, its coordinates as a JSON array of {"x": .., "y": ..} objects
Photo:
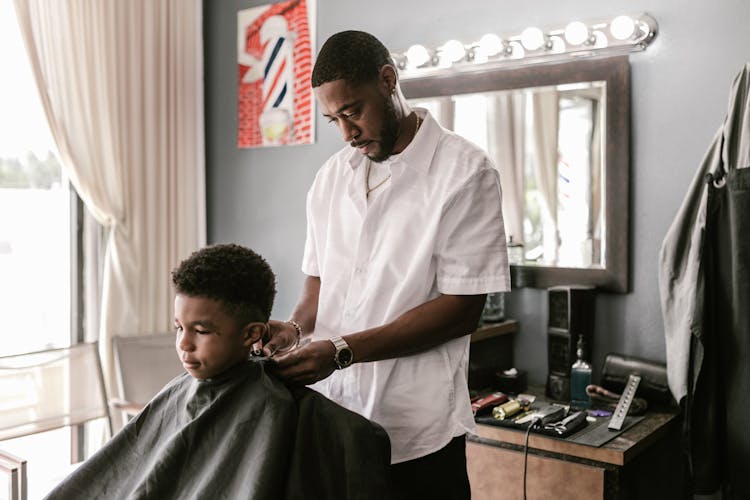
[{"x": 405, "y": 238}]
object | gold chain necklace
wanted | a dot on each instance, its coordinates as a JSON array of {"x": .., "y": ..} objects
[{"x": 369, "y": 189}]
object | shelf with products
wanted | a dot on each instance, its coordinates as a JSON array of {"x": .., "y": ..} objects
[{"x": 490, "y": 352}]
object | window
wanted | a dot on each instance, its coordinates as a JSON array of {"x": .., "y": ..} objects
[
  {"x": 35, "y": 235},
  {"x": 35, "y": 199}
]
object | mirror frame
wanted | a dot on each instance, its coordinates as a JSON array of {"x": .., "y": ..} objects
[{"x": 615, "y": 71}]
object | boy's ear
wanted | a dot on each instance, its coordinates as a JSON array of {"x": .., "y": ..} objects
[{"x": 253, "y": 332}]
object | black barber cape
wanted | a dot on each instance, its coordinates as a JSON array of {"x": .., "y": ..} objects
[{"x": 242, "y": 435}]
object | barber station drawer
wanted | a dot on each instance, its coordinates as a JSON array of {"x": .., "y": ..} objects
[
  {"x": 642, "y": 463},
  {"x": 496, "y": 473}
]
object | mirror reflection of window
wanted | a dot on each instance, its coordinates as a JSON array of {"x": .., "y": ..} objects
[
  {"x": 574, "y": 181},
  {"x": 546, "y": 144},
  {"x": 470, "y": 118}
]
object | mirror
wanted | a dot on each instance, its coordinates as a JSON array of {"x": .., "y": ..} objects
[{"x": 559, "y": 135}]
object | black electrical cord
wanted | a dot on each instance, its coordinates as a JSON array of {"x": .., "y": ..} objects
[{"x": 526, "y": 451}]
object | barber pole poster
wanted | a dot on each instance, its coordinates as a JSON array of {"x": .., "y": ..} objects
[{"x": 274, "y": 60}]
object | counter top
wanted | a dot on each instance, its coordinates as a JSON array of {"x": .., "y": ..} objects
[{"x": 619, "y": 451}]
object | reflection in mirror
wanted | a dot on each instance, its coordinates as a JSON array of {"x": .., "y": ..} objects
[
  {"x": 546, "y": 142},
  {"x": 559, "y": 135}
]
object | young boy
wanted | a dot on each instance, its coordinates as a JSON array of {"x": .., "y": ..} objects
[
  {"x": 224, "y": 299},
  {"x": 225, "y": 429}
]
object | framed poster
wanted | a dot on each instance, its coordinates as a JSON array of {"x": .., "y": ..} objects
[{"x": 274, "y": 60}]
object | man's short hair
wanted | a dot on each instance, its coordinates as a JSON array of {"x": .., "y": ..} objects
[
  {"x": 354, "y": 56},
  {"x": 235, "y": 276}
]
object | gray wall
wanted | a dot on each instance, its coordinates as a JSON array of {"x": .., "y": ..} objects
[{"x": 680, "y": 88}]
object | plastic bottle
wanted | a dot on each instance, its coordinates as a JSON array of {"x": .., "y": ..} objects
[{"x": 580, "y": 377}]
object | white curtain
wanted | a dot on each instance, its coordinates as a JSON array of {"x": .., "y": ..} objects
[
  {"x": 444, "y": 112},
  {"x": 545, "y": 123},
  {"x": 121, "y": 83},
  {"x": 597, "y": 229},
  {"x": 505, "y": 144}
]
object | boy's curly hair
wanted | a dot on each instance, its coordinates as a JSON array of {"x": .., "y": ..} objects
[
  {"x": 354, "y": 56},
  {"x": 235, "y": 276}
]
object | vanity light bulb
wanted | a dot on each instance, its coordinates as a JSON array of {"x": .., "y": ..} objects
[
  {"x": 490, "y": 45},
  {"x": 532, "y": 38},
  {"x": 576, "y": 33},
  {"x": 622, "y": 27},
  {"x": 453, "y": 51},
  {"x": 417, "y": 55}
]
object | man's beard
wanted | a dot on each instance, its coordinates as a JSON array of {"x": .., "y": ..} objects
[{"x": 388, "y": 132}]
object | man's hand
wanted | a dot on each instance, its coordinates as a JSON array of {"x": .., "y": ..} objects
[
  {"x": 305, "y": 365},
  {"x": 281, "y": 336}
]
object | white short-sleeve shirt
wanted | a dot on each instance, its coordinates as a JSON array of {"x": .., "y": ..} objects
[{"x": 435, "y": 227}]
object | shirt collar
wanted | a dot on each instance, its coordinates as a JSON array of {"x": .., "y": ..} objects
[{"x": 418, "y": 154}]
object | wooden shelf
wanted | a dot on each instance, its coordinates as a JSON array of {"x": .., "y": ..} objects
[{"x": 490, "y": 330}]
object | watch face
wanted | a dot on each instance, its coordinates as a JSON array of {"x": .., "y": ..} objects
[{"x": 344, "y": 357}]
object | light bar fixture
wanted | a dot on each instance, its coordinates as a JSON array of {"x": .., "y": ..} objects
[{"x": 625, "y": 33}]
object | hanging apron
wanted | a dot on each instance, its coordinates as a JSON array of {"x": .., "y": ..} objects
[{"x": 718, "y": 413}]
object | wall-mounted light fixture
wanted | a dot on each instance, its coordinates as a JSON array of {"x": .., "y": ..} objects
[{"x": 625, "y": 33}]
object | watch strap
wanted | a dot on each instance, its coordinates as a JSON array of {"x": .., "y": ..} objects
[{"x": 341, "y": 346}]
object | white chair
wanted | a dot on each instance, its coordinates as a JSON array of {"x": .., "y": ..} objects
[
  {"x": 46, "y": 390},
  {"x": 14, "y": 469},
  {"x": 143, "y": 364}
]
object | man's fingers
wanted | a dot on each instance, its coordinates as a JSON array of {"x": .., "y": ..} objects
[
  {"x": 270, "y": 349},
  {"x": 293, "y": 368},
  {"x": 305, "y": 365},
  {"x": 278, "y": 338}
]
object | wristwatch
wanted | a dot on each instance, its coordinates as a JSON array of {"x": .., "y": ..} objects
[{"x": 343, "y": 356}]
